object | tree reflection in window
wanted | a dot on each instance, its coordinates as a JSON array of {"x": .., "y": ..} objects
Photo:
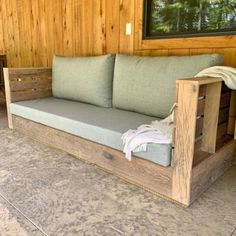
[{"x": 165, "y": 18}]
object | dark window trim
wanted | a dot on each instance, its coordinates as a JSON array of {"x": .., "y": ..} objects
[{"x": 147, "y": 36}]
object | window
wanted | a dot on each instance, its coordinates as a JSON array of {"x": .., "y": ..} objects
[{"x": 189, "y": 18}]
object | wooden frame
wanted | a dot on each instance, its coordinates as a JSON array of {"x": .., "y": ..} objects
[
  {"x": 3, "y": 63},
  {"x": 202, "y": 150},
  {"x": 175, "y": 43}
]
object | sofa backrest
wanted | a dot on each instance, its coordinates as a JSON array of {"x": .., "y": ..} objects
[
  {"x": 84, "y": 79},
  {"x": 147, "y": 84}
]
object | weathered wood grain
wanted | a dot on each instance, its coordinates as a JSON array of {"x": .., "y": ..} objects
[
  {"x": 16, "y": 73},
  {"x": 148, "y": 175},
  {"x": 211, "y": 116},
  {"x": 205, "y": 173},
  {"x": 185, "y": 123},
  {"x": 8, "y": 96},
  {"x": 30, "y": 94},
  {"x": 26, "y": 84},
  {"x": 20, "y": 85}
]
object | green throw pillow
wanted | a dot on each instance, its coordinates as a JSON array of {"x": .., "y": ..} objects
[
  {"x": 147, "y": 84},
  {"x": 84, "y": 79}
]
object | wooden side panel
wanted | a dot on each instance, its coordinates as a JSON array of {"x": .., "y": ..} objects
[
  {"x": 26, "y": 84},
  {"x": 185, "y": 122},
  {"x": 205, "y": 173}
]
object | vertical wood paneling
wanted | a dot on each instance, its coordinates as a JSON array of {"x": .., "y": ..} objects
[
  {"x": 2, "y": 51},
  {"x": 98, "y": 39},
  {"x": 32, "y": 31},
  {"x": 112, "y": 10},
  {"x": 68, "y": 29},
  {"x": 127, "y": 15}
]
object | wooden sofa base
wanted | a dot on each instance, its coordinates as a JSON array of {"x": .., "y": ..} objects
[{"x": 148, "y": 175}]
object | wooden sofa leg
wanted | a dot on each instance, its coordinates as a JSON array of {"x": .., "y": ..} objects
[
  {"x": 185, "y": 122},
  {"x": 8, "y": 96}
]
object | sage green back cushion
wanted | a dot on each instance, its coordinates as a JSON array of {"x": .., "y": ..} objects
[
  {"x": 84, "y": 79},
  {"x": 147, "y": 84}
]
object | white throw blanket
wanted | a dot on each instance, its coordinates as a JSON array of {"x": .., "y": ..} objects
[
  {"x": 228, "y": 74},
  {"x": 161, "y": 131},
  {"x": 157, "y": 132}
]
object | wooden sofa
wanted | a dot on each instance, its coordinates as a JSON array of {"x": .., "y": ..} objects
[{"x": 202, "y": 149}]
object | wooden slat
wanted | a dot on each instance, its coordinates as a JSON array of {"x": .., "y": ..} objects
[
  {"x": 225, "y": 99},
  {"x": 201, "y": 107},
  {"x": 222, "y": 129},
  {"x": 202, "y": 91},
  {"x": 30, "y": 94},
  {"x": 211, "y": 115},
  {"x": 8, "y": 97},
  {"x": 199, "y": 127},
  {"x": 200, "y": 155},
  {"x": 223, "y": 115},
  {"x": 185, "y": 123},
  {"x": 29, "y": 72},
  {"x": 148, "y": 175},
  {"x": 42, "y": 84}
]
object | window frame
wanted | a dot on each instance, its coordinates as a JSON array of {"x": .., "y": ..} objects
[{"x": 146, "y": 28}]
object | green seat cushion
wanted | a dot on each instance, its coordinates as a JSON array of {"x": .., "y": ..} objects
[
  {"x": 101, "y": 125},
  {"x": 147, "y": 84},
  {"x": 84, "y": 79}
]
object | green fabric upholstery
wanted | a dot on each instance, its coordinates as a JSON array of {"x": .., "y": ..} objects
[
  {"x": 147, "y": 84},
  {"x": 101, "y": 125},
  {"x": 84, "y": 79}
]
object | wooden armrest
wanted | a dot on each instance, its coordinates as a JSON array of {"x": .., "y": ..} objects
[
  {"x": 193, "y": 95},
  {"x": 200, "y": 80},
  {"x": 26, "y": 84}
]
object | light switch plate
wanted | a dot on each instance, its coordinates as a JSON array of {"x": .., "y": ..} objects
[{"x": 128, "y": 29}]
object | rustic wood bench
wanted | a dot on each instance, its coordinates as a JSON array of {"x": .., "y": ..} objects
[{"x": 202, "y": 148}]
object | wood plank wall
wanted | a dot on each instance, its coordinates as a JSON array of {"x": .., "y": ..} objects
[{"x": 32, "y": 31}]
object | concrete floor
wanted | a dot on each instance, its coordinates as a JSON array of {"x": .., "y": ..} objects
[{"x": 44, "y": 191}]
